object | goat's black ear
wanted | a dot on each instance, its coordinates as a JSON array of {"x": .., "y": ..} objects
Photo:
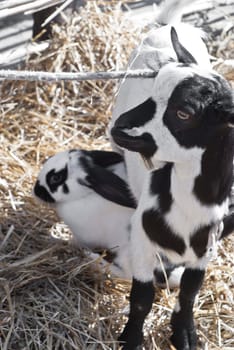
[
  {"x": 183, "y": 55},
  {"x": 135, "y": 118},
  {"x": 143, "y": 144}
]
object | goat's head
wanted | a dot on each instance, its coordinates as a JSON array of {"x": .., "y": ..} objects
[{"x": 187, "y": 108}]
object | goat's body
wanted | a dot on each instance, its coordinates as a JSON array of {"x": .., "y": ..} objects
[
  {"x": 173, "y": 228},
  {"x": 181, "y": 128}
]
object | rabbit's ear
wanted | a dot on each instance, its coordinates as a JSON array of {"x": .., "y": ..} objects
[
  {"x": 104, "y": 158},
  {"x": 107, "y": 184}
]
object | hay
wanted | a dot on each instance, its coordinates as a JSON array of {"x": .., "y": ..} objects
[{"x": 51, "y": 295}]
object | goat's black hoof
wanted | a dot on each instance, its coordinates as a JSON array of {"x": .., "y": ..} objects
[
  {"x": 184, "y": 335},
  {"x": 131, "y": 338},
  {"x": 184, "y": 339}
]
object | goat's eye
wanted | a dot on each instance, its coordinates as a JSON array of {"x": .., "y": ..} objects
[{"x": 183, "y": 115}]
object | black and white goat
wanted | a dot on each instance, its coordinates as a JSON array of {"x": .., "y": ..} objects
[
  {"x": 181, "y": 123},
  {"x": 88, "y": 189}
]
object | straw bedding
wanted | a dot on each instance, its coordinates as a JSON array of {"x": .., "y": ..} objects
[{"x": 52, "y": 296}]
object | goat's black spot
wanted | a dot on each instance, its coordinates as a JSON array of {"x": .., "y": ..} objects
[
  {"x": 213, "y": 185},
  {"x": 104, "y": 158},
  {"x": 42, "y": 193},
  {"x": 159, "y": 232},
  {"x": 160, "y": 184},
  {"x": 160, "y": 179},
  {"x": 199, "y": 240},
  {"x": 54, "y": 179},
  {"x": 208, "y": 101},
  {"x": 137, "y": 116},
  {"x": 65, "y": 188}
]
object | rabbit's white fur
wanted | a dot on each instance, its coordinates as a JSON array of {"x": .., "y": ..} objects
[{"x": 95, "y": 222}]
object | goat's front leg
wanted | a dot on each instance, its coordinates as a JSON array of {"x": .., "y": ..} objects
[
  {"x": 143, "y": 260},
  {"x": 141, "y": 300},
  {"x": 184, "y": 335}
]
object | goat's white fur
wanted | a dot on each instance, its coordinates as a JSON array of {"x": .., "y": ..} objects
[{"x": 185, "y": 214}]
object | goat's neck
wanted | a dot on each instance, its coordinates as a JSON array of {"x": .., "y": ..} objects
[
  {"x": 183, "y": 177},
  {"x": 187, "y": 171},
  {"x": 203, "y": 210}
]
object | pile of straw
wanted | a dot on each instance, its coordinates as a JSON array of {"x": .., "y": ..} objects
[{"x": 51, "y": 295}]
